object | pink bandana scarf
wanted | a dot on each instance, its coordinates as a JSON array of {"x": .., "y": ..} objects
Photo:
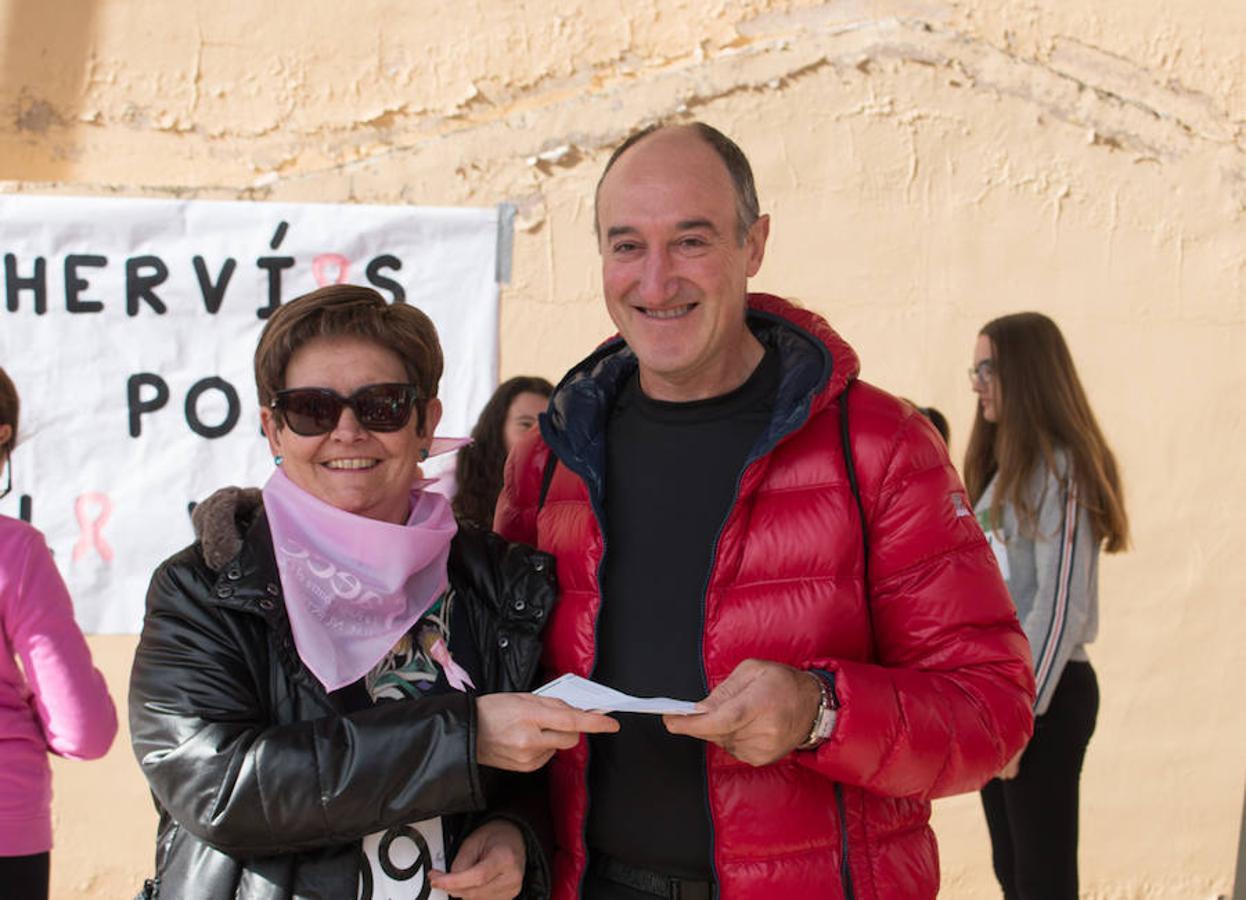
[{"x": 353, "y": 586}]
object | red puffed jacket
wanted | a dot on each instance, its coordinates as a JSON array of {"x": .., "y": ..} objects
[{"x": 931, "y": 669}]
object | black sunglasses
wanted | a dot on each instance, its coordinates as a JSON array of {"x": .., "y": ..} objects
[{"x": 314, "y": 411}]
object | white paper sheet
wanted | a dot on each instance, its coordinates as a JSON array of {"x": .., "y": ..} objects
[{"x": 589, "y": 695}]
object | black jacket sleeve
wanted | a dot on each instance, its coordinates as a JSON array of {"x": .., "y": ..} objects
[
  {"x": 235, "y": 756},
  {"x": 511, "y": 590},
  {"x": 523, "y": 800}
]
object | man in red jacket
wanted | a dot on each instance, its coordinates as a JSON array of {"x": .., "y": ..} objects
[{"x": 839, "y": 612}]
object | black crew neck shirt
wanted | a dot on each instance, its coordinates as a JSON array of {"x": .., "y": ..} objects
[{"x": 671, "y": 476}]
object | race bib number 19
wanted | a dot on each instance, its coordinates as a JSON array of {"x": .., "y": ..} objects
[{"x": 396, "y": 862}]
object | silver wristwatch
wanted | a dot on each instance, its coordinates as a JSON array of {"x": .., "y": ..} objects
[{"x": 824, "y": 718}]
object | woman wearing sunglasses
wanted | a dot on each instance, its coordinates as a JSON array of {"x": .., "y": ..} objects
[
  {"x": 54, "y": 702},
  {"x": 1045, "y": 487},
  {"x": 320, "y": 696}
]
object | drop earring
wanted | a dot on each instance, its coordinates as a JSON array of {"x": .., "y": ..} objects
[
  {"x": 423, "y": 454},
  {"x": 278, "y": 460}
]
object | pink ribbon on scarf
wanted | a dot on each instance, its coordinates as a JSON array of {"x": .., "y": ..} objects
[{"x": 455, "y": 674}]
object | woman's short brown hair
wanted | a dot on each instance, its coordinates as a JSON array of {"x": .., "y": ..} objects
[
  {"x": 346, "y": 310},
  {"x": 10, "y": 406}
]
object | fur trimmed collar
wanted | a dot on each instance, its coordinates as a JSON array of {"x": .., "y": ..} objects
[{"x": 221, "y": 521}]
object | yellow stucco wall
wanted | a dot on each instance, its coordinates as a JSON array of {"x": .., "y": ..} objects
[{"x": 928, "y": 165}]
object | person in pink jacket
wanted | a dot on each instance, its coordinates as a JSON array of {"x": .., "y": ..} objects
[{"x": 54, "y": 702}]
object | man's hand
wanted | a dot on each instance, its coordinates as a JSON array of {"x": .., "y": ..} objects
[
  {"x": 1014, "y": 766},
  {"x": 488, "y": 866},
  {"x": 520, "y": 732},
  {"x": 759, "y": 714}
]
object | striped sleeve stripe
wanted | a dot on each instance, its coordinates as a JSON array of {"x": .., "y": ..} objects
[{"x": 1064, "y": 579}]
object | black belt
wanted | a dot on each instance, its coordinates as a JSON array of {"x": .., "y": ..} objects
[{"x": 650, "y": 882}]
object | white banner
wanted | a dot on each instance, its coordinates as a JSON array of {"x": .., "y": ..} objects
[{"x": 129, "y": 328}]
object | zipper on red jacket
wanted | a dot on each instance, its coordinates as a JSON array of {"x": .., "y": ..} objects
[
  {"x": 705, "y": 678},
  {"x": 592, "y": 667},
  {"x": 705, "y": 773},
  {"x": 845, "y": 870}
]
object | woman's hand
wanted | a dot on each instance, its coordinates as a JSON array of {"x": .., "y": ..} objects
[
  {"x": 520, "y": 732},
  {"x": 489, "y": 864}
]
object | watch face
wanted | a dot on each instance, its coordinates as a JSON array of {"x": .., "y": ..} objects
[{"x": 826, "y": 721}]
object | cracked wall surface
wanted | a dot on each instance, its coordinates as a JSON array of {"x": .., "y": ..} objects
[{"x": 929, "y": 164}]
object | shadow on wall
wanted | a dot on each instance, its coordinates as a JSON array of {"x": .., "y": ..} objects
[{"x": 43, "y": 62}]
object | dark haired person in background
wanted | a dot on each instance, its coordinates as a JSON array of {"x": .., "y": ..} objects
[
  {"x": 1045, "y": 488},
  {"x": 937, "y": 419},
  {"x": 509, "y": 414}
]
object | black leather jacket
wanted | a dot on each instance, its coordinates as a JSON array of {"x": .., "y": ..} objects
[{"x": 262, "y": 786}]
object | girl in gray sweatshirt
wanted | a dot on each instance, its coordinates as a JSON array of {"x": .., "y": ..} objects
[{"x": 1046, "y": 490}]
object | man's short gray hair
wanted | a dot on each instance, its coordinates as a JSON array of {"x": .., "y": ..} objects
[{"x": 746, "y": 205}]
